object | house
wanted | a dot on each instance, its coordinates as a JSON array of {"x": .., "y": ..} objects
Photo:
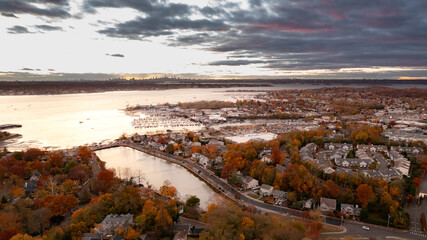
[
  {"x": 352, "y": 162},
  {"x": 249, "y": 183},
  {"x": 266, "y": 159},
  {"x": 35, "y": 176},
  {"x": 411, "y": 150},
  {"x": 309, "y": 204},
  {"x": 347, "y": 208},
  {"x": 327, "y": 204},
  {"x": 112, "y": 222},
  {"x": 30, "y": 187},
  {"x": 278, "y": 194},
  {"x": 372, "y": 148},
  {"x": 336, "y": 146},
  {"x": 202, "y": 160},
  {"x": 92, "y": 236},
  {"x": 266, "y": 190},
  {"x": 312, "y": 147},
  {"x": 339, "y": 153}
]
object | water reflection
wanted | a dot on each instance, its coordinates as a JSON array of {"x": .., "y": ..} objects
[{"x": 156, "y": 171}]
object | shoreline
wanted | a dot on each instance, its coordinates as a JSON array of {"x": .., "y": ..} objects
[{"x": 27, "y": 88}]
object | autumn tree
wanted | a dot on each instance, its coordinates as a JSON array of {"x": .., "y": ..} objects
[
  {"x": 331, "y": 189},
  {"x": 105, "y": 180},
  {"x": 84, "y": 154},
  {"x": 298, "y": 178},
  {"x": 80, "y": 173},
  {"x": 277, "y": 156},
  {"x": 128, "y": 200},
  {"x": 69, "y": 187},
  {"x": 146, "y": 220},
  {"x": 58, "y": 204},
  {"x": 364, "y": 194},
  {"x": 163, "y": 222}
]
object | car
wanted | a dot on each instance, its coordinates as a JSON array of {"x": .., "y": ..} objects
[{"x": 365, "y": 228}]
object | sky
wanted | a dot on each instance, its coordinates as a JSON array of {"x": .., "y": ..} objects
[{"x": 101, "y": 39}]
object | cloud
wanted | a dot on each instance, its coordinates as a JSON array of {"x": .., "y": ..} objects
[
  {"x": 116, "y": 55},
  {"x": 48, "y": 28},
  {"x": 18, "y": 30},
  {"x": 9, "y": 15},
  {"x": 30, "y": 69},
  {"x": 51, "y": 8},
  {"x": 157, "y": 26},
  {"x": 236, "y": 62}
]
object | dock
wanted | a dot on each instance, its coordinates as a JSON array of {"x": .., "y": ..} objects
[{"x": 7, "y": 126}]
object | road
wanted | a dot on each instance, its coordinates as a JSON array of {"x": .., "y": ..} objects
[{"x": 353, "y": 228}]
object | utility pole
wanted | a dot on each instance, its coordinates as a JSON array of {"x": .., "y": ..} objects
[{"x": 388, "y": 221}]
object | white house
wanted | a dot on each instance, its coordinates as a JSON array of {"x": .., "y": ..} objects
[
  {"x": 266, "y": 190},
  {"x": 327, "y": 204},
  {"x": 249, "y": 183}
]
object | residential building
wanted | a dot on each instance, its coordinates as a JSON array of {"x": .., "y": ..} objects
[
  {"x": 327, "y": 204},
  {"x": 266, "y": 190},
  {"x": 249, "y": 183}
]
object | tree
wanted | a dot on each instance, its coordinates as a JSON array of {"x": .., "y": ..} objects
[
  {"x": 10, "y": 220},
  {"x": 168, "y": 191},
  {"x": 131, "y": 234},
  {"x": 80, "y": 173},
  {"x": 21, "y": 236},
  {"x": 364, "y": 194},
  {"x": 277, "y": 156},
  {"x": 146, "y": 220},
  {"x": 193, "y": 201},
  {"x": 84, "y": 154},
  {"x": 58, "y": 204},
  {"x": 331, "y": 189},
  {"x": 105, "y": 180},
  {"x": 163, "y": 223},
  {"x": 69, "y": 187},
  {"x": 7, "y": 234},
  {"x": 128, "y": 201}
]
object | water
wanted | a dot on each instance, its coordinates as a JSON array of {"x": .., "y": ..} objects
[
  {"x": 62, "y": 121},
  {"x": 76, "y": 119},
  {"x": 156, "y": 171}
]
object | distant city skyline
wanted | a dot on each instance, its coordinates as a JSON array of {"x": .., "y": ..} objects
[{"x": 101, "y": 39}]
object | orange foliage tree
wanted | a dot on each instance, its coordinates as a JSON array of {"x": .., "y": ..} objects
[
  {"x": 58, "y": 204},
  {"x": 365, "y": 194}
]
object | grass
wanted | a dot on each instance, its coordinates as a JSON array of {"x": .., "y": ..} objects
[{"x": 253, "y": 195}]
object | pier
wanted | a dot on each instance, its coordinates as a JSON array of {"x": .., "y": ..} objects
[{"x": 8, "y": 126}]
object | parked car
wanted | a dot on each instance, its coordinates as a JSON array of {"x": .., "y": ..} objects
[{"x": 365, "y": 228}]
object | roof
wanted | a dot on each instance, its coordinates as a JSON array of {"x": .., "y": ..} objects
[
  {"x": 279, "y": 193},
  {"x": 117, "y": 219},
  {"x": 118, "y": 237},
  {"x": 329, "y": 202},
  {"x": 266, "y": 187}
]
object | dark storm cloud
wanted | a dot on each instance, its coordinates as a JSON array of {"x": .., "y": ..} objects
[
  {"x": 161, "y": 18},
  {"x": 116, "y": 55},
  {"x": 9, "y": 15},
  {"x": 235, "y": 62},
  {"x": 48, "y": 28},
  {"x": 157, "y": 26},
  {"x": 18, "y": 30},
  {"x": 52, "y": 8},
  {"x": 287, "y": 35}
]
